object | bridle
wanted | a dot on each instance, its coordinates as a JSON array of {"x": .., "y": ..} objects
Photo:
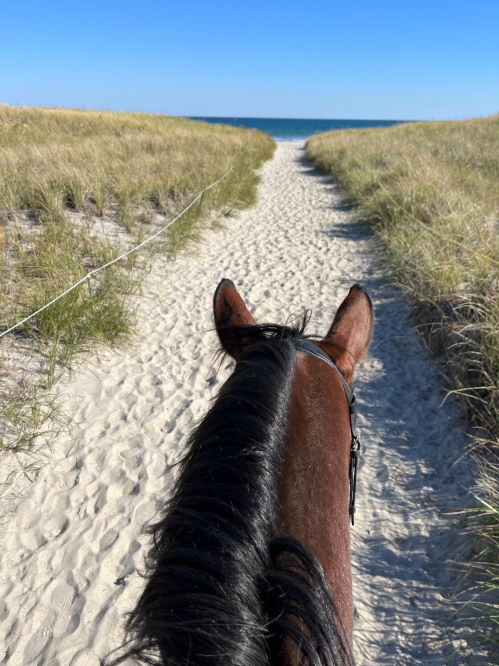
[{"x": 309, "y": 348}]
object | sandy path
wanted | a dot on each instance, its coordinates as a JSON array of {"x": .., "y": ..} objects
[{"x": 69, "y": 554}]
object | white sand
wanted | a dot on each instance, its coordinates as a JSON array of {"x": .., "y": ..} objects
[{"x": 69, "y": 554}]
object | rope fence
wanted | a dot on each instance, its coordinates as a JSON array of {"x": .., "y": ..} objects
[{"x": 125, "y": 254}]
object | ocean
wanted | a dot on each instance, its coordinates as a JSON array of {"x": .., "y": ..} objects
[{"x": 297, "y": 129}]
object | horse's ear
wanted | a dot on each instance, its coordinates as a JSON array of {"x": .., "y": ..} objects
[
  {"x": 229, "y": 310},
  {"x": 351, "y": 329}
]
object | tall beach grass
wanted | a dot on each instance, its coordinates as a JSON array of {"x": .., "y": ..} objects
[
  {"x": 431, "y": 192},
  {"x": 77, "y": 188}
]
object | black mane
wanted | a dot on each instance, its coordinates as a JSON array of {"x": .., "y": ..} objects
[{"x": 223, "y": 588}]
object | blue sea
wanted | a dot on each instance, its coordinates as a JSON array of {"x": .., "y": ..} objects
[{"x": 297, "y": 129}]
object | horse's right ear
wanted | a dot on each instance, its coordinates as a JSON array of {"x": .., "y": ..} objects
[
  {"x": 352, "y": 329},
  {"x": 229, "y": 310}
]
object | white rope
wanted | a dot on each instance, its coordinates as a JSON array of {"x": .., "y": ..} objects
[{"x": 109, "y": 263}]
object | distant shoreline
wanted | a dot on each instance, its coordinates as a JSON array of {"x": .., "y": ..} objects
[{"x": 296, "y": 129}]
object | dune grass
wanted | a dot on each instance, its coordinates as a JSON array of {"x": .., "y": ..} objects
[
  {"x": 431, "y": 193},
  {"x": 77, "y": 188}
]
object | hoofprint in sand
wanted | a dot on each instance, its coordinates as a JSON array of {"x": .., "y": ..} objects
[{"x": 71, "y": 549}]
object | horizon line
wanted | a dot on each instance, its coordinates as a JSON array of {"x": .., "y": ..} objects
[{"x": 388, "y": 120}]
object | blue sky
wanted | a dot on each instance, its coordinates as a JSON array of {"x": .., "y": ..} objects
[{"x": 376, "y": 59}]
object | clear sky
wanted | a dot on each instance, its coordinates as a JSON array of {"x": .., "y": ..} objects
[{"x": 372, "y": 59}]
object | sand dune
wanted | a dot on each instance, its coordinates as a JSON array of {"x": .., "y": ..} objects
[{"x": 70, "y": 551}]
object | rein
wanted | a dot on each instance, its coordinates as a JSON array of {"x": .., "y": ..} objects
[{"x": 313, "y": 350}]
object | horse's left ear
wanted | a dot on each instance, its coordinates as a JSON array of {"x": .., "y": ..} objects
[
  {"x": 230, "y": 310},
  {"x": 352, "y": 329}
]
